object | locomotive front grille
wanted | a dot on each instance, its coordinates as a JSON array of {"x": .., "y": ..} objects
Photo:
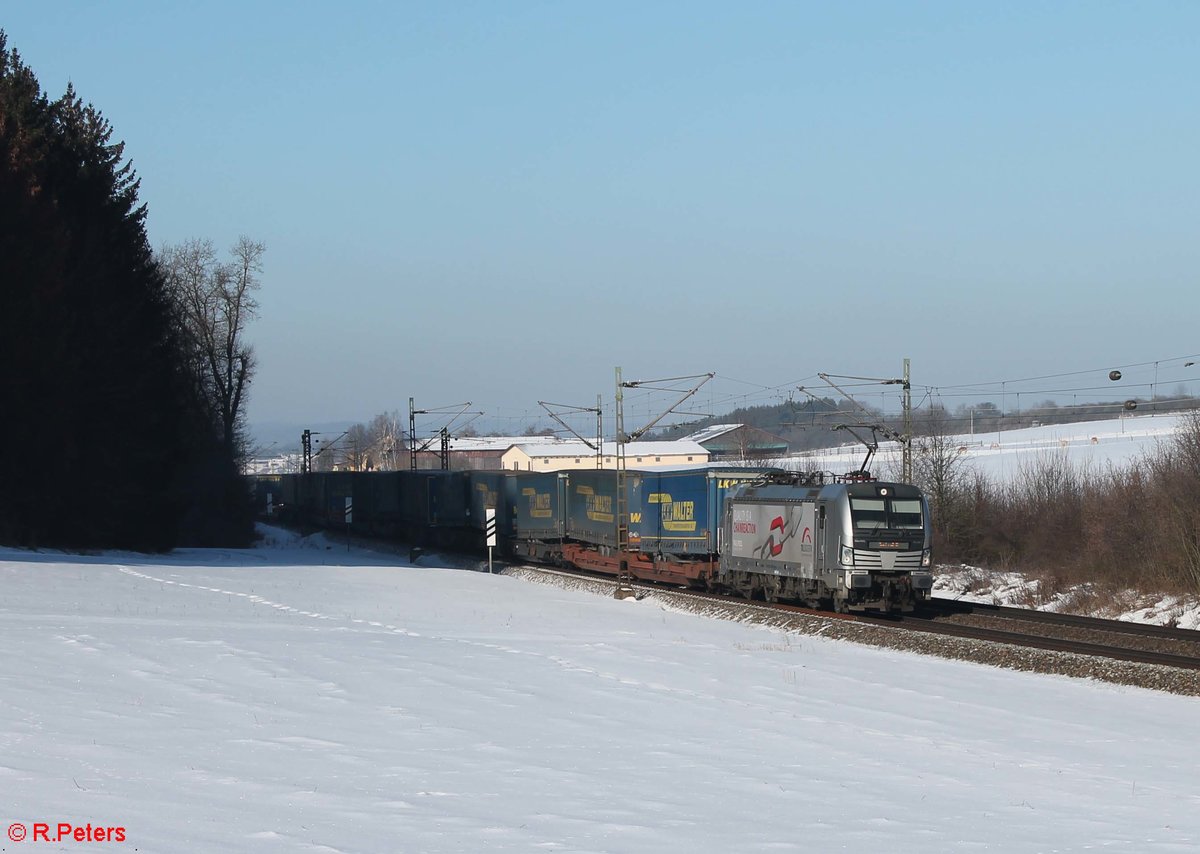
[{"x": 867, "y": 559}]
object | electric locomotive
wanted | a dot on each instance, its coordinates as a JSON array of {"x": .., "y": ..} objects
[{"x": 851, "y": 545}]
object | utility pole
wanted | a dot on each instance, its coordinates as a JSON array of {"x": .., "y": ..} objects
[
  {"x": 457, "y": 410},
  {"x": 599, "y": 432},
  {"x": 906, "y": 457},
  {"x": 598, "y": 446},
  {"x": 306, "y": 452},
  {"x": 904, "y": 438},
  {"x": 624, "y": 578},
  {"x": 412, "y": 436}
]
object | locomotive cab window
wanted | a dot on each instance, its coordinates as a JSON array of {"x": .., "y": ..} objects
[
  {"x": 905, "y": 513},
  {"x": 877, "y": 514}
]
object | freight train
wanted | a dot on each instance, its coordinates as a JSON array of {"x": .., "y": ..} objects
[{"x": 847, "y": 544}]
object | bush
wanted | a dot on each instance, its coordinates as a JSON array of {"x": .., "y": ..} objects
[{"x": 1131, "y": 527}]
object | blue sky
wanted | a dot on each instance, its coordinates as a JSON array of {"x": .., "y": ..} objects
[{"x": 500, "y": 202}]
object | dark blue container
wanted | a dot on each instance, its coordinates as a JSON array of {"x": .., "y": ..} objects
[
  {"x": 539, "y": 502},
  {"x": 437, "y": 498},
  {"x": 376, "y": 503},
  {"x": 339, "y": 487}
]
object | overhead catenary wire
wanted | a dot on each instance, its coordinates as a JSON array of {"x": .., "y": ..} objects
[{"x": 726, "y": 393}]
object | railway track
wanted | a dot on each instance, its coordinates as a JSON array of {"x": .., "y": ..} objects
[
  {"x": 1080, "y": 636},
  {"x": 955, "y": 607},
  {"x": 1103, "y": 640},
  {"x": 1162, "y": 645}
]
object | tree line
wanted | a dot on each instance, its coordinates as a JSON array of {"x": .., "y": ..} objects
[{"x": 123, "y": 372}]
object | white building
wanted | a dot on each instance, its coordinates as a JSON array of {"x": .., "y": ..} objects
[{"x": 556, "y": 456}]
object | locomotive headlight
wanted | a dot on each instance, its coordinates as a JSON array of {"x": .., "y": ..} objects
[
  {"x": 927, "y": 557},
  {"x": 847, "y": 555}
]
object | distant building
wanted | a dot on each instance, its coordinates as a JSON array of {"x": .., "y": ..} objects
[
  {"x": 556, "y": 456},
  {"x": 739, "y": 442},
  {"x": 281, "y": 464},
  {"x": 482, "y": 453}
]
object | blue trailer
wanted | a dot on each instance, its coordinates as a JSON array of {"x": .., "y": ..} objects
[
  {"x": 540, "y": 501},
  {"x": 680, "y": 511},
  {"x": 592, "y": 506}
]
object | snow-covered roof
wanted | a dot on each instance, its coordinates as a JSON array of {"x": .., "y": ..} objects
[
  {"x": 496, "y": 443},
  {"x": 711, "y": 432},
  {"x": 682, "y": 447}
]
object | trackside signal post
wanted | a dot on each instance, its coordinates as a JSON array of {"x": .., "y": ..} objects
[{"x": 489, "y": 527}]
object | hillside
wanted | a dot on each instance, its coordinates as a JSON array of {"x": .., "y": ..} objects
[{"x": 1002, "y": 456}]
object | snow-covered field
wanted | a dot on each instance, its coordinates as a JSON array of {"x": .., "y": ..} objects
[
  {"x": 1002, "y": 456},
  {"x": 303, "y": 698}
]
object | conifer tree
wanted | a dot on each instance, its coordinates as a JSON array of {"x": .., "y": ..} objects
[{"x": 99, "y": 440}]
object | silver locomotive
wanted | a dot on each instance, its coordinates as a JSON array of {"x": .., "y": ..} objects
[{"x": 851, "y": 545}]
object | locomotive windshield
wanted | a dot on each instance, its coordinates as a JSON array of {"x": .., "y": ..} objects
[{"x": 877, "y": 514}]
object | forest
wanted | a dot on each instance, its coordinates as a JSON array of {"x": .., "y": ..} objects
[{"x": 114, "y": 434}]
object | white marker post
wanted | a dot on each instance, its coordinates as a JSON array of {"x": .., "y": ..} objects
[
  {"x": 349, "y": 519},
  {"x": 489, "y": 528}
]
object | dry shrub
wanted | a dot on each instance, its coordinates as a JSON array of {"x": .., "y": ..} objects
[{"x": 1114, "y": 529}]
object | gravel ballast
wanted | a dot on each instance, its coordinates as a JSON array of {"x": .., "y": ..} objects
[{"x": 1170, "y": 679}]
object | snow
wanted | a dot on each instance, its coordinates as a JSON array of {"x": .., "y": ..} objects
[
  {"x": 303, "y": 696},
  {"x": 975, "y": 584},
  {"x": 1001, "y": 456}
]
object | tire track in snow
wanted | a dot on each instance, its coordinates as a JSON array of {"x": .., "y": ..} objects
[
  {"x": 263, "y": 601},
  {"x": 559, "y": 661}
]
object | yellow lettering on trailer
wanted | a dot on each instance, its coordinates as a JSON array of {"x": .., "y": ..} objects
[
  {"x": 679, "y": 516},
  {"x": 539, "y": 504},
  {"x": 599, "y": 507}
]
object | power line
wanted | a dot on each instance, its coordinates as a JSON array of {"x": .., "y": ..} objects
[{"x": 1152, "y": 363}]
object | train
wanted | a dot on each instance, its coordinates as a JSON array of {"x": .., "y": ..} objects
[{"x": 842, "y": 543}]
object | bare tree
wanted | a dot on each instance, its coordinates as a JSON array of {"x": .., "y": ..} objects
[
  {"x": 358, "y": 449},
  {"x": 939, "y": 469},
  {"x": 214, "y": 302},
  {"x": 387, "y": 438}
]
